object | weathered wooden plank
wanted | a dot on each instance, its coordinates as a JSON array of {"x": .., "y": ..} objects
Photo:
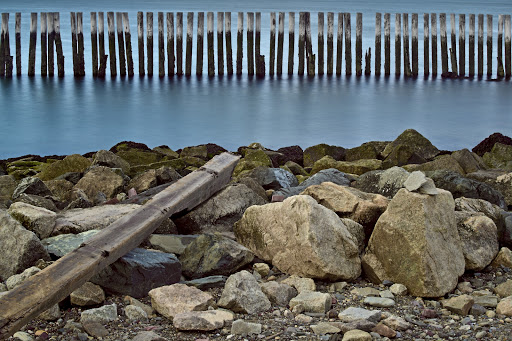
[
  {"x": 500, "y": 70},
  {"x": 302, "y": 40},
  {"x": 56, "y": 282},
  {"x": 101, "y": 45},
  {"x": 140, "y": 36},
  {"x": 250, "y": 43},
  {"x": 480, "y": 45},
  {"x": 330, "y": 43},
  {"x": 149, "y": 41},
  {"x": 453, "y": 47},
  {"x": 508, "y": 71},
  {"x": 111, "y": 44},
  {"x": 51, "y": 43},
  {"x": 179, "y": 43},
  {"x": 489, "y": 44},
  {"x": 58, "y": 45},
  {"x": 310, "y": 57},
  {"x": 433, "y": 22},
  {"x": 320, "y": 43},
  {"x": 471, "y": 45},
  {"x": 414, "y": 41},
  {"x": 407, "y": 59},
  {"x": 80, "y": 38},
  {"x": 44, "y": 56},
  {"x": 209, "y": 36},
  {"x": 348, "y": 45},
  {"x": 462, "y": 45},
  {"x": 444, "y": 43},
  {"x": 359, "y": 44},
  {"x": 426, "y": 44},
  {"x": 161, "y": 45},
  {"x": 398, "y": 43},
  {"x": 339, "y": 44},
  {"x": 220, "y": 43},
  {"x": 94, "y": 45},
  {"x": 272, "y": 58}
]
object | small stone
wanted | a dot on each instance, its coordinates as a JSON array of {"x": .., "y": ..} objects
[
  {"x": 459, "y": 305},
  {"x": 178, "y": 298},
  {"x": 379, "y": 302},
  {"x": 428, "y": 313},
  {"x": 387, "y": 294},
  {"x": 314, "y": 302},
  {"x": 477, "y": 310},
  {"x": 103, "y": 314},
  {"x": 51, "y": 314},
  {"x": 398, "y": 289},
  {"x": 354, "y": 313},
  {"x": 490, "y": 314},
  {"x": 365, "y": 292},
  {"x": 262, "y": 268},
  {"x": 22, "y": 336},
  {"x": 504, "y": 289},
  {"x": 303, "y": 319},
  {"x": 88, "y": 294},
  {"x": 465, "y": 287},
  {"x": 481, "y": 334},
  {"x": 301, "y": 284},
  {"x": 202, "y": 320},
  {"x": 384, "y": 330},
  {"x": 324, "y": 328},
  {"x": 240, "y": 327},
  {"x": 95, "y": 329},
  {"x": 357, "y": 335},
  {"x": 148, "y": 336},
  {"x": 415, "y": 180},
  {"x": 396, "y": 323},
  {"x": 134, "y": 312},
  {"x": 505, "y": 306},
  {"x": 337, "y": 286},
  {"x": 16, "y": 280}
]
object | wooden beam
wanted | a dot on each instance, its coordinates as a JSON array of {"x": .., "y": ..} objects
[{"x": 56, "y": 282}]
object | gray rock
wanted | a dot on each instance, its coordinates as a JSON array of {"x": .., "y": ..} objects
[
  {"x": 31, "y": 185},
  {"x": 88, "y": 294},
  {"x": 139, "y": 271},
  {"x": 22, "y": 336},
  {"x": 105, "y": 314},
  {"x": 386, "y": 183},
  {"x": 278, "y": 293},
  {"x": 152, "y": 178},
  {"x": 148, "y": 336},
  {"x": 36, "y": 200},
  {"x": 327, "y": 175},
  {"x": 354, "y": 314},
  {"x": 51, "y": 314},
  {"x": 213, "y": 254},
  {"x": 357, "y": 324},
  {"x": 243, "y": 294},
  {"x": 220, "y": 212},
  {"x": 499, "y": 179},
  {"x": 171, "y": 243},
  {"x": 171, "y": 300},
  {"x": 417, "y": 182},
  {"x": 207, "y": 282},
  {"x": 101, "y": 179},
  {"x": 470, "y": 162},
  {"x": 312, "y": 301},
  {"x": 379, "y": 302},
  {"x": 459, "y": 305},
  {"x": 15, "y": 280},
  {"x": 134, "y": 312},
  {"x": 274, "y": 178},
  {"x": 202, "y": 320},
  {"x": 20, "y": 248},
  {"x": 36, "y": 219},
  {"x": 240, "y": 327},
  {"x": 64, "y": 243},
  {"x": 108, "y": 159},
  {"x": 324, "y": 328},
  {"x": 7, "y": 186}
]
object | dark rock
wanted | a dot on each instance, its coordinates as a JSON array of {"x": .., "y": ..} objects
[
  {"x": 477, "y": 310},
  {"x": 293, "y": 153},
  {"x": 386, "y": 183},
  {"x": 315, "y": 153},
  {"x": 108, "y": 159},
  {"x": 254, "y": 185},
  {"x": 71, "y": 163},
  {"x": 36, "y": 200},
  {"x": 277, "y": 158},
  {"x": 470, "y": 162},
  {"x": 273, "y": 178},
  {"x": 326, "y": 175},
  {"x": 487, "y": 144},
  {"x": 95, "y": 329},
  {"x": 7, "y": 186},
  {"x": 206, "y": 283},
  {"x": 128, "y": 145},
  {"x": 139, "y": 271},
  {"x": 72, "y": 177},
  {"x": 213, "y": 149},
  {"x": 31, "y": 186},
  {"x": 408, "y": 148},
  {"x": 368, "y": 150}
]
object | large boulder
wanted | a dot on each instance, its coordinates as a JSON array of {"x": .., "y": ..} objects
[
  {"x": 368, "y": 150},
  {"x": 242, "y": 294},
  {"x": 327, "y": 175},
  {"x": 62, "y": 244},
  {"x": 273, "y": 178},
  {"x": 36, "y": 219},
  {"x": 36, "y": 200},
  {"x": 139, "y": 271},
  {"x": 293, "y": 153},
  {"x": 21, "y": 248},
  {"x": 447, "y": 162},
  {"x": 136, "y": 153},
  {"x": 300, "y": 237},
  {"x": 220, "y": 212},
  {"x": 33, "y": 186},
  {"x": 7, "y": 186},
  {"x": 101, "y": 179},
  {"x": 429, "y": 259},
  {"x": 213, "y": 254},
  {"x": 314, "y": 153},
  {"x": 499, "y": 157},
  {"x": 171, "y": 300},
  {"x": 498, "y": 179},
  {"x": 470, "y": 162},
  {"x": 385, "y": 182},
  {"x": 408, "y": 147},
  {"x": 352, "y": 167},
  {"x": 61, "y": 189},
  {"x": 348, "y": 202},
  {"x": 71, "y": 163},
  {"x": 152, "y": 178},
  {"x": 108, "y": 159},
  {"x": 489, "y": 142}
]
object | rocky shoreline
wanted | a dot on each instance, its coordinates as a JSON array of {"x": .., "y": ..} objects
[{"x": 388, "y": 240}]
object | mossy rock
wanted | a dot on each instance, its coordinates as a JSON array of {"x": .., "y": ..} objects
[
  {"x": 324, "y": 163},
  {"x": 128, "y": 145},
  {"x": 286, "y": 169},
  {"x": 402, "y": 155},
  {"x": 315, "y": 153},
  {"x": 352, "y": 167},
  {"x": 192, "y": 161},
  {"x": 71, "y": 163},
  {"x": 301, "y": 178},
  {"x": 177, "y": 164},
  {"x": 499, "y": 157},
  {"x": 244, "y": 167},
  {"x": 416, "y": 142},
  {"x": 22, "y": 168},
  {"x": 368, "y": 150},
  {"x": 136, "y": 157},
  {"x": 200, "y": 152},
  {"x": 295, "y": 168},
  {"x": 446, "y": 162},
  {"x": 168, "y": 152},
  {"x": 258, "y": 155}
]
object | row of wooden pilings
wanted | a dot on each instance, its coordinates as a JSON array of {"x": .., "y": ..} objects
[{"x": 51, "y": 36}]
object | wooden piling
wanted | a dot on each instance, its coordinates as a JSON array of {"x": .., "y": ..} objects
[
  {"x": 140, "y": 36},
  {"x": 17, "y": 33},
  {"x": 302, "y": 40},
  {"x": 170, "y": 43},
  {"x": 444, "y": 44},
  {"x": 101, "y": 45},
  {"x": 310, "y": 57},
  {"x": 330, "y": 43},
  {"x": 179, "y": 43},
  {"x": 220, "y": 43},
  {"x": 257, "y": 51},
  {"x": 161, "y": 44},
  {"x": 414, "y": 39},
  {"x": 280, "y": 43},
  {"x": 398, "y": 43},
  {"x": 80, "y": 43},
  {"x": 58, "y": 45},
  {"x": 51, "y": 43},
  {"x": 32, "y": 46},
  {"x": 359, "y": 44},
  {"x": 74, "y": 43},
  {"x": 272, "y": 43},
  {"x": 291, "y": 41},
  {"x": 348, "y": 45},
  {"x": 462, "y": 45},
  {"x": 128, "y": 43},
  {"x": 339, "y": 44},
  {"x": 3, "y": 27},
  {"x": 407, "y": 59},
  {"x": 508, "y": 66},
  {"x": 111, "y": 44},
  {"x": 94, "y": 44},
  {"x": 368, "y": 62},
  {"x": 378, "y": 38},
  {"x": 5, "y": 52},
  {"x": 229, "y": 48},
  {"x": 320, "y": 43},
  {"x": 200, "y": 43},
  {"x": 190, "y": 35},
  {"x": 120, "y": 44},
  {"x": 500, "y": 71},
  {"x": 471, "y": 52},
  {"x": 480, "y": 45},
  {"x": 426, "y": 44},
  {"x": 149, "y": 41},
  {"x": 433, "y": 22},
  {"x": 209, "y": 35},
  {"x": 387, "y": 44},
  {"x": 489, "y": 45},
  {"x": 239, "y": 43},
  {"x": 453, "y": 46},
  {"x": 44, "y": 56}
]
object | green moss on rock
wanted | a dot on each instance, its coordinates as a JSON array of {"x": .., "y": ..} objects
[
  {"x": 136, "y": 157},
  {"x": 200, "y": 152},
  {"x": 352, "y": 167},
  {"x": 499, "y": 157},
  {"x": 315, "y": 153},
  {"x": 416, "y": 142},
  {"x": 71, "y": 163},
  {"x": 446, "y": 162}
]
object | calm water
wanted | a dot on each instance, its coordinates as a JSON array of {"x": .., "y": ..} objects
[{"x": 62, "y": 116}]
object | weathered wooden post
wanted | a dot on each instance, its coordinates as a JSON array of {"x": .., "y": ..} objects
[
  {"x": 259, "y": 71},
  {"x": 120, "y": 44},
  {"x": 480, "y": 45},
  {"x": 426, "y": 44},
  {"x": 348, "y": 45},
  {"x": 471, "y": 45},
  {"x": 330, "y": 43},
  {"x": 179, "y": 43},
  {"x": 291, "y": 41},
  {"x": 500, "y": 71},
  {"x": 414, "y": 32},
  {"x": 94, "y": 45},
  {"x": 161, "y": 45},
  {"x": 302, "y": 40},
  {"x": 320, "y": 43},
  {"x": 101, "y": 45},
  {"x": 387, "y": 44},
  {"x": 111, "y": 43},
  {"x": 17, "y": 37},
  {"x": 310, "y": 57},
  {"x": 128, "y": 42},
  {"x": 239, "y": 43},
  {"x": 250, "y": 43},
  {"x": 229, "y": 48},
  {"x": 200, "y": 43},
  {"x": 44, "y": 56},
  {"x": 462, "y": 45},
  {"x": 149, "y": 41},
  {"x": 32, "y": 46},
  {"x": 209, "y": 36},
  {"x": 140, "y": 36},
  {"x": 444, "y": 44},
  {"x": 359, "y": 44},
  {"x": 80, "y": 39},
  {"x": 5, "y": 51},
  {"x": 453, "y": 46},
  {"x": 433, "y": 22},
  {"x": 508, "y": 70},
  {"x": 188, "y": 53},
  {"x": 51, "y": 43},
  {"x": 378, "y": 38},
  {"x": 58, "y": 44},
  {"x": 407, "y": 60},
  {"x": 398, "y": 43},
  {"x": 280, "y": 43},
  {"x": 272, "y": 51},
  {"x": 339, "y": 44},
  {"x": 368, "y": 62},
  {"x": 220, "y": 43},
  {"x": 489, "y": 45},
  {"x": 170, "y": 43}
]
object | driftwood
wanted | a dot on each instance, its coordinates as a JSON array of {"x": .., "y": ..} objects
[{"x": 56, "y": 282}]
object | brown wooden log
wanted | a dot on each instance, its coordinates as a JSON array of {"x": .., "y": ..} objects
[
  {"x": 291, "y": 41},
  {"x": 80, "y": 39},
  {"x": 56, "y": 282},
  {"x": 149, "y": 41},
  {"x": 229, "y": 47}
]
